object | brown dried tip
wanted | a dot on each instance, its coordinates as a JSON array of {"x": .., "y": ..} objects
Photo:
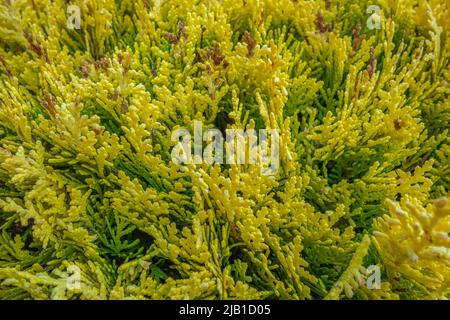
[
  {"x": 5, "y": 66},
  {"x": 261, "y": 18},
  {"x": 197, "y": 56},
  {"x": 41, "y": 51},
  {"x": 320, "y": 23},
  {"x": 181, "y": 30},
  {"x": 251, "y": 43},
  {"x": 124, "y": 106},
  {"x": 84, "y": 69},
  {"x": 171, "y": 38},
  {"x": 418, "y": 52},
  {"x": 146, "y": 4},
  {"x": 102, "y": 64},
  {"x": 357, "y": 37},
  {"x": 372, "y": 63},
  {"x": 327, "y": 4},
  {"x": 125, "y": 61},
  {"x": 175, "y": 39},
  {"x": 48, "y": 102},
  {"x": 212, "y": 95},
  {"x": 208, "y": 70},
  {"x": 114, "y": 96},
  {"x": 97, "y": 131},
  {"x": 216, "y": 56},
  {"x": 398, "y": 124},
  {"x": 441, "y": 202}
]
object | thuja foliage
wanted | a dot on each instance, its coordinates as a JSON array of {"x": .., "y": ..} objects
[{"x": 86, "y": 177}]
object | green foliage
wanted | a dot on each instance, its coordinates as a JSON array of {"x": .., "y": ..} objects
[{"x": 88, "y": 188}]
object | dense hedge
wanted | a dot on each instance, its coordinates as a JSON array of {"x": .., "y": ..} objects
[{"x": 92, "y": 207}]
